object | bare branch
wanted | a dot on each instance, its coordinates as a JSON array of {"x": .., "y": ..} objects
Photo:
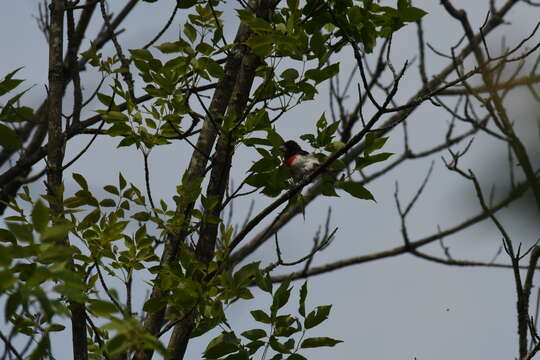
[{"x": 513, "y": 195}]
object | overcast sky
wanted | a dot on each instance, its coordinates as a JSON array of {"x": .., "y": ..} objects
[{"x": 398, "y": 308}]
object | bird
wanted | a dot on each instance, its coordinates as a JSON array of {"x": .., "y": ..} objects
[{"x": 300, "y": 162}]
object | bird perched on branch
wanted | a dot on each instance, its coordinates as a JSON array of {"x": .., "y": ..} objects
[{"x": 300, "y": 162}]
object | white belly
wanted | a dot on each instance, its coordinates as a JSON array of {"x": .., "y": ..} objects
[{"x": 303, "y": 165}]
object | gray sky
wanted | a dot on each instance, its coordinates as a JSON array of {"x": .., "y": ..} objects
[{"x": 398, "y": 308}]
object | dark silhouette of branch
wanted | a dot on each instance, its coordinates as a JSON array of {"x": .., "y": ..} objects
[
  {"x": 494, "y": 104},
  {"x": 297, "y": 188},
  {"x": 165, "y": 27},
  {"x": 437, "y": 81},
  {"x": 34, "y": 150},
  {"x": 522, "y": 81},
  {"x": 147, "y": 180},
  {"x": 126, "y": 73},
  {"x": 515, "y": 194},
  {"x": 10, "y": 347}
]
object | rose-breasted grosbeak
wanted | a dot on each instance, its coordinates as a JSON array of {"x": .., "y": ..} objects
[{"x": 300, "y": 162}]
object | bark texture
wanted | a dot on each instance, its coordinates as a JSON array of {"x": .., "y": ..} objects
[{"x": 55, "y": 157}]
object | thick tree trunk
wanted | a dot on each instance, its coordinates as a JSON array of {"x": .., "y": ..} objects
[
  {"x": 55, "y": 156},
  {"x": 222, "y": 99}
]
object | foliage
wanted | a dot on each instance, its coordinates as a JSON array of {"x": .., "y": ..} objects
[
  {"x": 59, "y": 249},
  {"x": 82, "y": 255}
]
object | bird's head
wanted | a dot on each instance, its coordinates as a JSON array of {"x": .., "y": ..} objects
[{"x": 290, "y": 148}]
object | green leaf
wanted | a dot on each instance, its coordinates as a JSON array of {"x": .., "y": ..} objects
[
  {"x": 190, "y": 32},
  {"x": 279, "y": 347},
  {"x": 331, "y": 129},
  {"x": 111, "y": 189},
  {"x": 15, "y": 218},
  {"x": 113, "y": 116},
  {"x": 296, "y": 357},
  {"x": 265, "y": 165},
  {"x": 141, "y": 216},
  {"x": 13, "y": 113},
  {"x": 317, "y": 316},
  {"x": 322, "y": 123},
  {"x": 223, "y": 344},
  {"x": 254, "y": 22},
  {"x": 290, "y": 74},
  {"x": 117, "y": 344},
  {"x": 121, "y": 181},
  {"x": 141, "y": 54},
  {"x": 281, "y": 297},
  {"x": 13, "y": 302},
  {"x": 254, "y": 346},
  {"x": 102, "y": 307},
  {"x": 254, "y": 334},
  {"x": 261, "y": 316},
  {"x": 204, "y": 48},
  {"x": 119, "y": 129},
  {"x": 171, "y": 47},
  {"x": 90, "y": 219},
  {"x": 8, "y": 83},
  {"x": 7, "y": 236},
  {"x": 186, "y": 4},
  {"x": 213, "y": 68},
  {"x": 8, "y": 138},
  {"x": 7, "y": 280},
  {"x": 92, "y": 55},
  {"x": 356, "y": 190},
  {"x": 329, "y": 189},
  {"x": 261, "y": 45},
  {"x": 107, "y": 203},
  {"x": 264, "y": 282},
  {"x": 55, "y": 327},
  {"x": 411, "y": 14},
  {"x": 286, "y": 331},
  {"x": 105, "y": 99},
  {"x": 402, "y": 4},
  {"x": 40, "y": 216},
  {"x": 319, "y": 342},
  {"x": 205, "y": 326},
  {"x": 243, "y": 276},
  {"x": 307, "y": 90},
  {"x": 325, "y": 136},
  {"x": 380, "y": 157},
  {"x": 367, "y": 160},
  {"x": 256, "y": 180},
  {"x": 255, "y": 122},
  {"x": 320, "y": 75},
  {"x": 80, "y": 180},
  {"x": 373, "y": 143},
  {"x": 274, "y": 138},
  {"x": 22, "y": 232},
  {"x": 302, "y": 301},
  {"x": 293, "y": 4},
  {"x": 318, "y": 46},
  {"x": 55, "y": 233},
  {"x": 210, "y": 202},
  {"x": 186, "y": 293},
  {"x": 155, "y": 303}
]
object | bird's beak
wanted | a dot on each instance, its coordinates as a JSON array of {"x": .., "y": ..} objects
[{"x": 282, "y": 148}]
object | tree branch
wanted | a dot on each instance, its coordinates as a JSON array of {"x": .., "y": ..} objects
[{"x": 515, "y": 194}]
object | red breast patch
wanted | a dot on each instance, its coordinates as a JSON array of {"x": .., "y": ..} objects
[{"x": 290, "y": 160}]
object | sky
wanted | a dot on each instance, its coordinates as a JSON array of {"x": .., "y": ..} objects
[{"x": 397, "y": 308}]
